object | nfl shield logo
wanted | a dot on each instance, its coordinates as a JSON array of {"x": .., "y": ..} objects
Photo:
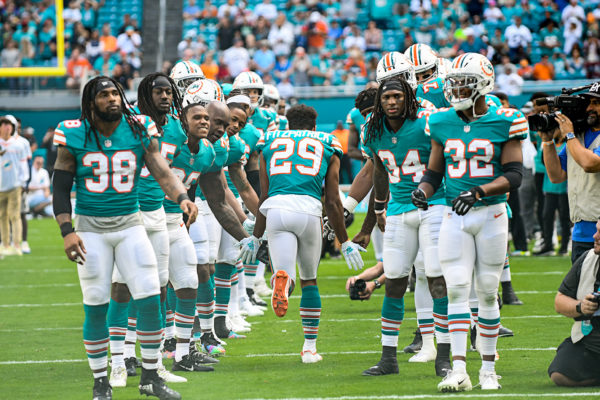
[
  {"x": 107, "y": 143},
  {"x": 394, "y": 140},
  {"x": 192, "y": 161},
  {"x": 467, "y": 128}
]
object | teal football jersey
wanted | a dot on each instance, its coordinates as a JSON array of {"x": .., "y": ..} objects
[
  {"x": 492, "y": 100},
  {"x": 297, "y": 160},
  {"x": 188, "y": 167},
  {"x": 250, "y": 135},
  {"x": 221, "y": 148},
  {"x": 106, "y": 178},
  {"x": 170, "y": 143},
  {"x": 433, "y": 91},
  {"x": 472, "y": 151},
  {"x": 355, "y": 118},
  {"x": 263, "y": 119},
  {"x": 237, "y": 153},
  {"x": 282, "y": 122},
  {"x": 405, "y": 155}
]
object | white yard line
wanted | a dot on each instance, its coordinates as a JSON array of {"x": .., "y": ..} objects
[{"x": 444, "y": 396}]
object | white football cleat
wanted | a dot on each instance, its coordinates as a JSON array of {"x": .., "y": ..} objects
[
  {"x": 261, "y": 288},
  {"x": 425, "y": 355},
  {"x": 488, "y": 380},
  {"x": 118, "y": 377},
  {"x": 169, "y": 377},
  {"x": 249, "y": 309},
  {"x": 455, "y": 382},
  {"x": 238, "y": 319},
  {"x": 310, "y": 357},
  {"x": 236, "y": 326}
]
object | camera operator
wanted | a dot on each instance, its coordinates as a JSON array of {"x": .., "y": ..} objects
[
  {"x": 576, "y": 360},
  {"x": 374, "y": 278},
  {"x": 580, "y": 162}
]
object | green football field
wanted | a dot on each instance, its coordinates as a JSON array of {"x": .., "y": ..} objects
[{"x": 43, "y": 356}]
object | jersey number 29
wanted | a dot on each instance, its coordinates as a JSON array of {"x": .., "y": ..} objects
[{"x": 308, "y": 149}]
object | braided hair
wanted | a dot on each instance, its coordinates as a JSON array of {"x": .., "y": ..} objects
[
  {"x": 365, "y": 99},
  {"x": 145, "y": 103},
  {"x": 88, "y": 107},
  {"x": 410, "y": 107}
]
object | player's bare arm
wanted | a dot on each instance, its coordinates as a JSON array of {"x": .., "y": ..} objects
[
  {"x": 169, "y": 183},
  {"x": 261, "y": 220},
  {"x": 512, "y": 165},
  {"x": 363, "y": 182},
  {"x": 363, "y": 237},
  {"x": 381, "y": 191},
  {"x": 333, "y": 204},
  {"x": 353, "y": 139},
  {"x": 212, "y": 188},
  {"x": 240, "y": 181},
  {"x": 436, "y": 165},
  {"x": 232, "y": 200},
  {"x": 64, "y": 173},
  {"x": 551, "y": 160}
]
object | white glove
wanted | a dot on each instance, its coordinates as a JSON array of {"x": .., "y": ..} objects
[
  {"x": 351, "y": 252},
  {"x": 248, "y": 225},
  {"x": 248, "y": 249}
]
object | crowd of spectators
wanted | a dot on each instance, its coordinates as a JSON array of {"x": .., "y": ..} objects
[{"x": 309, "y": 42}]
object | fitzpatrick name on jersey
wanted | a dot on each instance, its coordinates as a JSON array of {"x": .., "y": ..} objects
[
  {"x": 472, "y": 150},
  {"x": 171, "y": 141},
  {"x": 297, "y": 160},
  {"x": 405, "y": 155},
  {"x": 188, "y": 167},
  {"x": 106, "y": 178}
]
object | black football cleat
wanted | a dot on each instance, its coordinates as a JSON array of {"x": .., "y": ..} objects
[
  {"x": 200, "y": 357},
  {"x": 442, "y": 360},
  {"x": 130, "y": 366},
  {"x": 509, "y": 296},
  {"x": 221, "y": 329},
  {"x": 102, "y": 389},
  {"x": 170, "y": 345},
  {"x": 505, "y": 332},
  {"x": 383, "y": 367},
  {"x": 189, "y": 363},
  {"x": 416, "y": 344},
  {"x": 153, "y": 385}
]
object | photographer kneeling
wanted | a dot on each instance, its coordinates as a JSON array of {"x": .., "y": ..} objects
[
  {"x": 579, "y": 161},
  {"x": 362, "y": 286},
  {"x": 576, "y": 361}
]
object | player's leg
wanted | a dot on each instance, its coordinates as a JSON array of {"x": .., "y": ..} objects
[
  {"x": 457, "y": 258},
  {"x": 424, "y": 308},
  {"x": 95, "y": 279},
  {"x": 131, "y": 339},
  {"x": 309, "y": 239},
  {"x": 377, "y": 240},
  {"x": 184, "y": 279},
  {"x": 205, "y": 295},
  {"x": 137, "y": 265},
  {"x": 429, "y": 231},
  {"x": 283, "y": 246},
  {"x": 474, "y": 307},
  {"x": 117, "y": 328},
  {"x": 490, "y": 242},
  {"x": 508, "y": 292},
  {"x": 400, "y": 247}
]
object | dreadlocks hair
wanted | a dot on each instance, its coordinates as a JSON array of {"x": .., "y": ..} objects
[
  {"x": 145, "y": 103},
  {"x": 411, "y": 107},
  {"x": 364, "y": 98},
  {"x": 88, "y": 107}
]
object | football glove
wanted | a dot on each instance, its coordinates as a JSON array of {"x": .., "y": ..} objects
[
  {"x": 351, "y": 252},
  {"x": 263, "y": 253},
  {"x": 465, "y": 200},
  {"x": 328, "y": 232},
  {"x": 419, "y": 199},
  {"x": 248, "y": 225},
  {"x": 248, "y": 249}
]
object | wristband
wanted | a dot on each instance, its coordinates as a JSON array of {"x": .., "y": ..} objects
[
  {"x": 350, "y": 203},
  {"x": 379, "y": 206},
  {"x": 548, "y": 143},
  {"x": 66, "y": 228},
  {"x": 578, "y": 308},
  {"x": 182, "y": 197}
]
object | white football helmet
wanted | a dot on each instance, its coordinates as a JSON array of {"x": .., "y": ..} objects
[
  {"x": 424, "y": 59},
  {"x": 469, "y": 71},
  {"x": 184, "y": 73},
  {"x": 250, "y": 80},
  {"x": 271, "y": 94},
  {"x": 202, "y": 92},
  {"x": 444, "y": 66},
  {"x": 395, "y": 63}
]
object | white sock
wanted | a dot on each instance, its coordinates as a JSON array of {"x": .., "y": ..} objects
[
  {"x": 181, "y": 350},
  {"x": 459, "y": 366},
  {"x": 488, "y": 366},
  {"x": 310, "y": 345}
]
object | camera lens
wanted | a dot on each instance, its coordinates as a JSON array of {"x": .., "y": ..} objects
[{"x": 542, "y": 122}]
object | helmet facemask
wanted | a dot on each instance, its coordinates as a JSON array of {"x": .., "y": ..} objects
[{"x": 457, "y": 84}]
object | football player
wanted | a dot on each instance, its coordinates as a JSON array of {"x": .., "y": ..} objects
[
  {"x": 271, "y": 101},
  {"x": 476, "y": 148},
  {"x": 158, "y": 98},
  {"x": 184, "y": 73},
  {"x": 293, "y": 165},
  {"x": 395, "y": 140},
  {"x": 105, "y": 150}
]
